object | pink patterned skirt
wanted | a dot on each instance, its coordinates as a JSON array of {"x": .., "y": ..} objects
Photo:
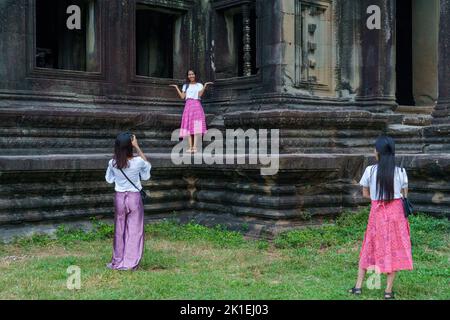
[
  {"x": 193, "y": 121},
  {"x": 387, "y": 243}
]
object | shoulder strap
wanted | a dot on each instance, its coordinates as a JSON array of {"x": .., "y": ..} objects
[{"x": 130, "y": 180}]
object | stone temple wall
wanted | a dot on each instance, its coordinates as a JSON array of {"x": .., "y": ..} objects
[
  {"x": 57, "y": 128},
  {"x": 53, "y": 166}
]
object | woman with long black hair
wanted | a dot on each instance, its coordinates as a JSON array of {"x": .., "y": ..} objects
[
  {"x": 386, "y": 246},
  {"x": 126, "y": 171},
  {"x": 193, "y": 122}
]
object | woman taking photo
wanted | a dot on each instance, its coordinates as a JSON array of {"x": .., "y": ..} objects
[
  {"x": 386, "y": 246},
  {"x": 193, "y": 122},
  {"x": 126, "y": 171}
]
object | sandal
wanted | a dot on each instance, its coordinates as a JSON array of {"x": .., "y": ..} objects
[
  {"x": 389, "y": 295},
  {"x": 355, "y": 291},
  {"x": 194, "y": 150}
]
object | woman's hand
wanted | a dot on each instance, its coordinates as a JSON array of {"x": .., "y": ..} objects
[
  {"x": 134, "y": 142},
  {"x": 182, "y": 95},
  {"x": 200, "y": 94}
]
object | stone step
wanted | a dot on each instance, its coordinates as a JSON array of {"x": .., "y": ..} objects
[
  {"x": 397, "y": 129},
  {"x": 415, "y": 115},
  {"x": 427, "y": 110},
  {"x": 408, "y": 138},
  {"x": 390, "y": 118},
  {"x": 417, "y": 120}
]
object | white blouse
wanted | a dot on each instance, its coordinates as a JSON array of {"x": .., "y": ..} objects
[
  {"x": 193, "y": 90},
  {"x": 137, "y": 166},
  {"x": 369, "y": 180}
]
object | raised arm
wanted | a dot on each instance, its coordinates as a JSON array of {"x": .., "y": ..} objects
[
  {"x": 181, "y": 94},
  {"x": 138, "y": 149},
  {"x": 200, "y": 93}
]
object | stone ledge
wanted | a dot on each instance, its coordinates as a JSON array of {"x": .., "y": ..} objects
[
  {"x": 162, "y": 160},
  {"x": 285, "y": 118},
  {"x": 76, "y": 118},
  {"x": 76, "y": 189}
]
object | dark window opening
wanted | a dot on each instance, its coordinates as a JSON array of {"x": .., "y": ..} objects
[
  {"x": 58, "y": 47},
  {"x": 154, "y": 41},
  {"x": 404, "y": 54}
]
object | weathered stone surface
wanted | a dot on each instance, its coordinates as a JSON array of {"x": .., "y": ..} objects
[
  {"x": 57, "y": 127},
  {"x": 377, "y": 85},
  {"x": 315, "y": 131},
  {"x": 441, "y": 113},
  {"x": 433, "y": 139},
  {"x": 27, "y": 131},
  {"x": 309, "y": 189}
]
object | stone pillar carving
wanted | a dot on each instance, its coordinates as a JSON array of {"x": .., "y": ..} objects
[
  {"x": 377, "y": 86},
  {"x": 441, "y": 112},
  {"x": 247, "y": 40},
  {"x": 313, "y": 40},
  {"x": 91, "y": 39},
  {"x": 425, "y": 33},
  {"x": 348, "y": 24}
]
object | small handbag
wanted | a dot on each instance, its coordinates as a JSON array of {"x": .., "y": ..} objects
[
  {"x": 407, "y": 207},
  {"x": 144, "y": 195}
]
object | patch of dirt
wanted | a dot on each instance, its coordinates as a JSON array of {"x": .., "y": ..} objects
[
  {"x": 7, "y": 260},
  {"x": 16, "y": 254}
]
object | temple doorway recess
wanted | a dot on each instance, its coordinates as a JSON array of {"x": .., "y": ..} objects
[{"x": 417, "y": 28}]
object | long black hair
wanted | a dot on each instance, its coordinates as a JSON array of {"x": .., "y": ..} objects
[
  {"x": 123, "y": 149},
  {"x": 385, "y": 147}
]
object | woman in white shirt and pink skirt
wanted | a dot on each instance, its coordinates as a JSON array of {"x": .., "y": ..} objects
[
  {"x": 386, "y": 247},
  {"x": 126, "y": 171},
  {"x": 193, "y": 122}
]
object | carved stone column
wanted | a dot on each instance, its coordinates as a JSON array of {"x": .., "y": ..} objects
[
  {"x": 441, "y": 112},
  {"x": 377, "y": 72},
  {"x": 247, "y": 40},
  {"x": 92, "y": 39}
]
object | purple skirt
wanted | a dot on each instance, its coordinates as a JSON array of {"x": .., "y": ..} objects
[
  {"x": 193, "y": 121},
  {"x": 128, "y": 244}
]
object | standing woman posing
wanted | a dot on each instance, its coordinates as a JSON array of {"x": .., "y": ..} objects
[
  {"x": 126, "y": 171},
  {"x": 387, "y": 244},
  {"x": 193, "y": 122}
]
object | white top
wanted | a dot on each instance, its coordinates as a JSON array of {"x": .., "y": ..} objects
[
  {"x": 193, "y": 90},
  {"x": 137, "y": 166},
  {"x": 369, "y": 180}
]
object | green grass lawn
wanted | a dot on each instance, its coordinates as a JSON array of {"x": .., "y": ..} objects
[{"x": 194, "y": 262}]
